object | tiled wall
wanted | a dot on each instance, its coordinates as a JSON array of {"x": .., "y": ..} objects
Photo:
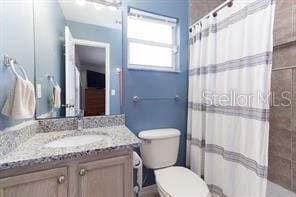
[
  {"x": 282, "y": 140},
  {"x": 199, "y": 8}
]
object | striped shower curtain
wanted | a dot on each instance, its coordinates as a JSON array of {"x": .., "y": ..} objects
[{"x": 228, "y": 108}]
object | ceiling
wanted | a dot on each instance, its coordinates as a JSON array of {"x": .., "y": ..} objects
[
  {"x": 90, "y": 56},
  {"x": 90, "y": 15}
]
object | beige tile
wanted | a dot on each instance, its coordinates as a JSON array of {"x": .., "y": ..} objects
[
  {"x": 212, "y": 4},
  {"x": 200, "y": 8},
  {"x": 294, "y": 176},
  {"x": 284, "y": 56},
  {"x": 294, "y": 120},
  {"x": 281, "y": 150},
  {"x": 294, "y": 20},
  {"x": 294, "y": 102},
  {"x": 280, "y": 142},
  {"x": 281, "y": 86},
  {"x": 283, "y": 25},
  {"x": 294, "y": 146},
  {"x": 282, "y": 4},
  {"x": 280, "y": 180},
  {"x": 280, "y": 118},
  {"x": 197, "y": 9},
  {"x": 279, "y": 135},
  {"x": 279, "y": 166},
  {"x": 279, "y": 171}
]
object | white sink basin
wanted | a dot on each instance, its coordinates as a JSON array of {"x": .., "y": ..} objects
[{"x": 76, "y": 141}]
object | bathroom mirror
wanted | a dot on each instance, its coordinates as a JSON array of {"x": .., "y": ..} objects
[{"x": 78, "y": 58}]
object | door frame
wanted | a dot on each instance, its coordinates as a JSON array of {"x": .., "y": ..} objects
[{"x": 106, "y": 46}]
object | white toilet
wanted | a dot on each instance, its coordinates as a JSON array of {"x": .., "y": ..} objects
[{"x": 159, "y": 151}]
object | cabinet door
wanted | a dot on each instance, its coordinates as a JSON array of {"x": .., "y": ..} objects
[
  {"x": 48, "y": 183},
  {"x": 106, "y": 178}
]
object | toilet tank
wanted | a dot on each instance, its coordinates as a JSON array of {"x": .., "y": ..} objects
[{"x": 160, "y": 147}]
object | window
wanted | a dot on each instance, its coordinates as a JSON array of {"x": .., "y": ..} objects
[{"x": 152, "y": 41}]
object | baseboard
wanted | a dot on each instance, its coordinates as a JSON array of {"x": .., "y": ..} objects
[{"x": 149, "y": 190}]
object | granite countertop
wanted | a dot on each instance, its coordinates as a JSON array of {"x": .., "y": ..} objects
[{"x": 33, "y": 151}]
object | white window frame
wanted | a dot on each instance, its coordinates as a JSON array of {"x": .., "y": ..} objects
[{"x": 174, "y": 46}]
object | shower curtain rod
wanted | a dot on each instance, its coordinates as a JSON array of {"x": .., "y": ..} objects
[{"x": 214, "y": 12}]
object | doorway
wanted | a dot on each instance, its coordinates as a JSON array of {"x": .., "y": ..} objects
[{"x": 92, "y": 61}]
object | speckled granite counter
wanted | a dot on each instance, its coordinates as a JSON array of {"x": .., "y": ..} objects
[{"x": 32, "y": 151}]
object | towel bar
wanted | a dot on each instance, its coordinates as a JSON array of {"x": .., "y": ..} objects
[{"x": 137, "y": 98}]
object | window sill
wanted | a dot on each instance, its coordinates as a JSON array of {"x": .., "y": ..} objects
[{"x": 155, "y": 69}]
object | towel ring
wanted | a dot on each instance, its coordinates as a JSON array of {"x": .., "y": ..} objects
[{"x": 10, "y": 63}]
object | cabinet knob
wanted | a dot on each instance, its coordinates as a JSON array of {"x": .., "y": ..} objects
[
  {"x": 61, "y": 179},
  {"x": 82, "y": 172}
]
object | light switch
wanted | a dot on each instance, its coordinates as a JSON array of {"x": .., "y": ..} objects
[
  {"x": 38, "y": 91},
  {"x": 113, "y": 92}
]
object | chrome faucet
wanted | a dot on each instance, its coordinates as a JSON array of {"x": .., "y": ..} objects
[{"x": 79, "y": 120}]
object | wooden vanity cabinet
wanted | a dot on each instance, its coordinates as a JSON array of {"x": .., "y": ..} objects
[
  {"x": 104, "y": 175},
  {"x": 48, "y": 183},
  {"x": 106, "y": 178}
]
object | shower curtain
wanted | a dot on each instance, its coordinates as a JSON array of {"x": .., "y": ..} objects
[{"x": 228, "y": 107}]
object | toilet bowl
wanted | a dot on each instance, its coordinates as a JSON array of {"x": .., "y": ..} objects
[
  {"x": 180, "y": 182},
  {"x": 159, "y": 152}
]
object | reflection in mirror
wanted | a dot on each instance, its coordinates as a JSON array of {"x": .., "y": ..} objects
[{"x": 78, "y": 58}]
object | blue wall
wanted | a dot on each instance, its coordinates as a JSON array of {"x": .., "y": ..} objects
[
  {"x": 151, "y": 114},
  {"x": 107, "y": 35},
  {"x": 17, "y": 41},
  {"x": 49, "y": 25}
]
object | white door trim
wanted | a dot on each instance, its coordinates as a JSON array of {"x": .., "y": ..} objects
[
  {"x": 106, "y": 46},
  {"x": 69, "y": 73}
]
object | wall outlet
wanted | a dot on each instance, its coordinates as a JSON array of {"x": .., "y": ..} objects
[{"x": 113, "y": 92}]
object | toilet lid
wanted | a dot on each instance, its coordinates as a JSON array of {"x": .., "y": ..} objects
[{"x": 180, "y": 182}]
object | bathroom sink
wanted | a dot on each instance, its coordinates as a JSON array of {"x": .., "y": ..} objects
[{"x": 76, "y": 141}]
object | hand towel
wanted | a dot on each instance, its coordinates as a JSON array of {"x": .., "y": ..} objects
[
  {"x": 56, "y": 96},
  {"x": 20, "y": 102}
]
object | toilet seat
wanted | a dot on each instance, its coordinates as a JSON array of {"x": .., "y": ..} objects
[{"x": 180, "y": 182}]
